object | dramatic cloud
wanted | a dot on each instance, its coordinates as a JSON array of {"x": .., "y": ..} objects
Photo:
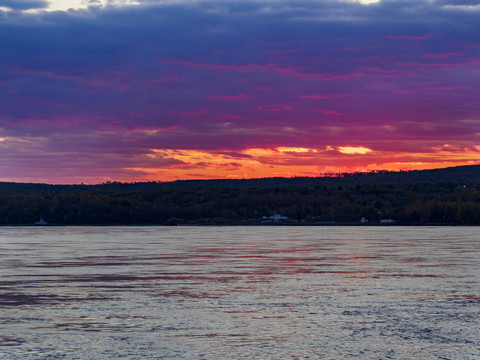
[{"x": 144, "y": 90}]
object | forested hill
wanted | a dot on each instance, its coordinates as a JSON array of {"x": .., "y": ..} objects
[
  {"x": 448, "y": 196},
  {"x": 452, "y": 174}
]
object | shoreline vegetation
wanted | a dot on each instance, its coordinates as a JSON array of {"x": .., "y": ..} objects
[{"x": 448, "y": 196}]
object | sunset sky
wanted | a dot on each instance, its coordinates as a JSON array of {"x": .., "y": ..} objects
[{"x": 140, "y": 90}]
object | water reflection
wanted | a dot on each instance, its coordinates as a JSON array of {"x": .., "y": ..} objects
[{"x": 239, "y": 292}]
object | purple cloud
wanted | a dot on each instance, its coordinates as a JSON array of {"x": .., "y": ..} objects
[{"x": 230, "y": 76}]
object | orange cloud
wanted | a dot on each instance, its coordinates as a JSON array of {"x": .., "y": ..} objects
[{"x": 285, "y": 161}]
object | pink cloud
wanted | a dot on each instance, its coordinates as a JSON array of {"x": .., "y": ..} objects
[
  {"x": 248, "y": 67},
  {"x": 441, "y": 55},
  {"x": 227, "y": 97},
  {"x": 452, "y": 148},
  {"x": 265, "y": 88},
  {"x": 380, "y": 70},
  {"x": 163, "y": 79},
  {"x": 230, "y": 116},
  {"x": 410, "y": 37},
  {"x": 274, "y": 108},
  {"x": 189, "y": 112},
  {"x": 52, "y": 75},
  {"x": 284, "y": 52},
  {"x": 324, "y": 97},
  {"x": 328, "y": 112},
  {"x": 289, "y": 71},
  {"x": 99, "y": 80},
  {"x": 429, "y": 67},
  {"x": 434, "y": 88}
]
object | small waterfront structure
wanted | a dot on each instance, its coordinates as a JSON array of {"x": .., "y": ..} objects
[
  {"x": 40, "y": 222},
  {"x": 275, "y": 218},
  {"x": 387, "y": 221}
]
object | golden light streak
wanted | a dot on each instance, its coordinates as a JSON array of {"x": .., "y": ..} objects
[
  {"x": 296, "y": 150},
  {"x": 352, "y": 150},
  {"x": 195, "y": 156},
  {"x": 260, "y": 152}
]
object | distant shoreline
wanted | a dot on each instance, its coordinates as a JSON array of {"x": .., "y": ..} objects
[{"x": 381, "y": 199}]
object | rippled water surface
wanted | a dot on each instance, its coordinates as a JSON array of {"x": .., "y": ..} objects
[{"x": 239, "y": 293}]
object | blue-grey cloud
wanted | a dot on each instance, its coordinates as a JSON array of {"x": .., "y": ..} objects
[{"x": 24, "y": 4}]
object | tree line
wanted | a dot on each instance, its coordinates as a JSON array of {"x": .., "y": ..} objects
[{"x": 405, "y": 203}]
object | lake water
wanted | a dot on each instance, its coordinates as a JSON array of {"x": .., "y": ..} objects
[{"x": 239, "y": 292}]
